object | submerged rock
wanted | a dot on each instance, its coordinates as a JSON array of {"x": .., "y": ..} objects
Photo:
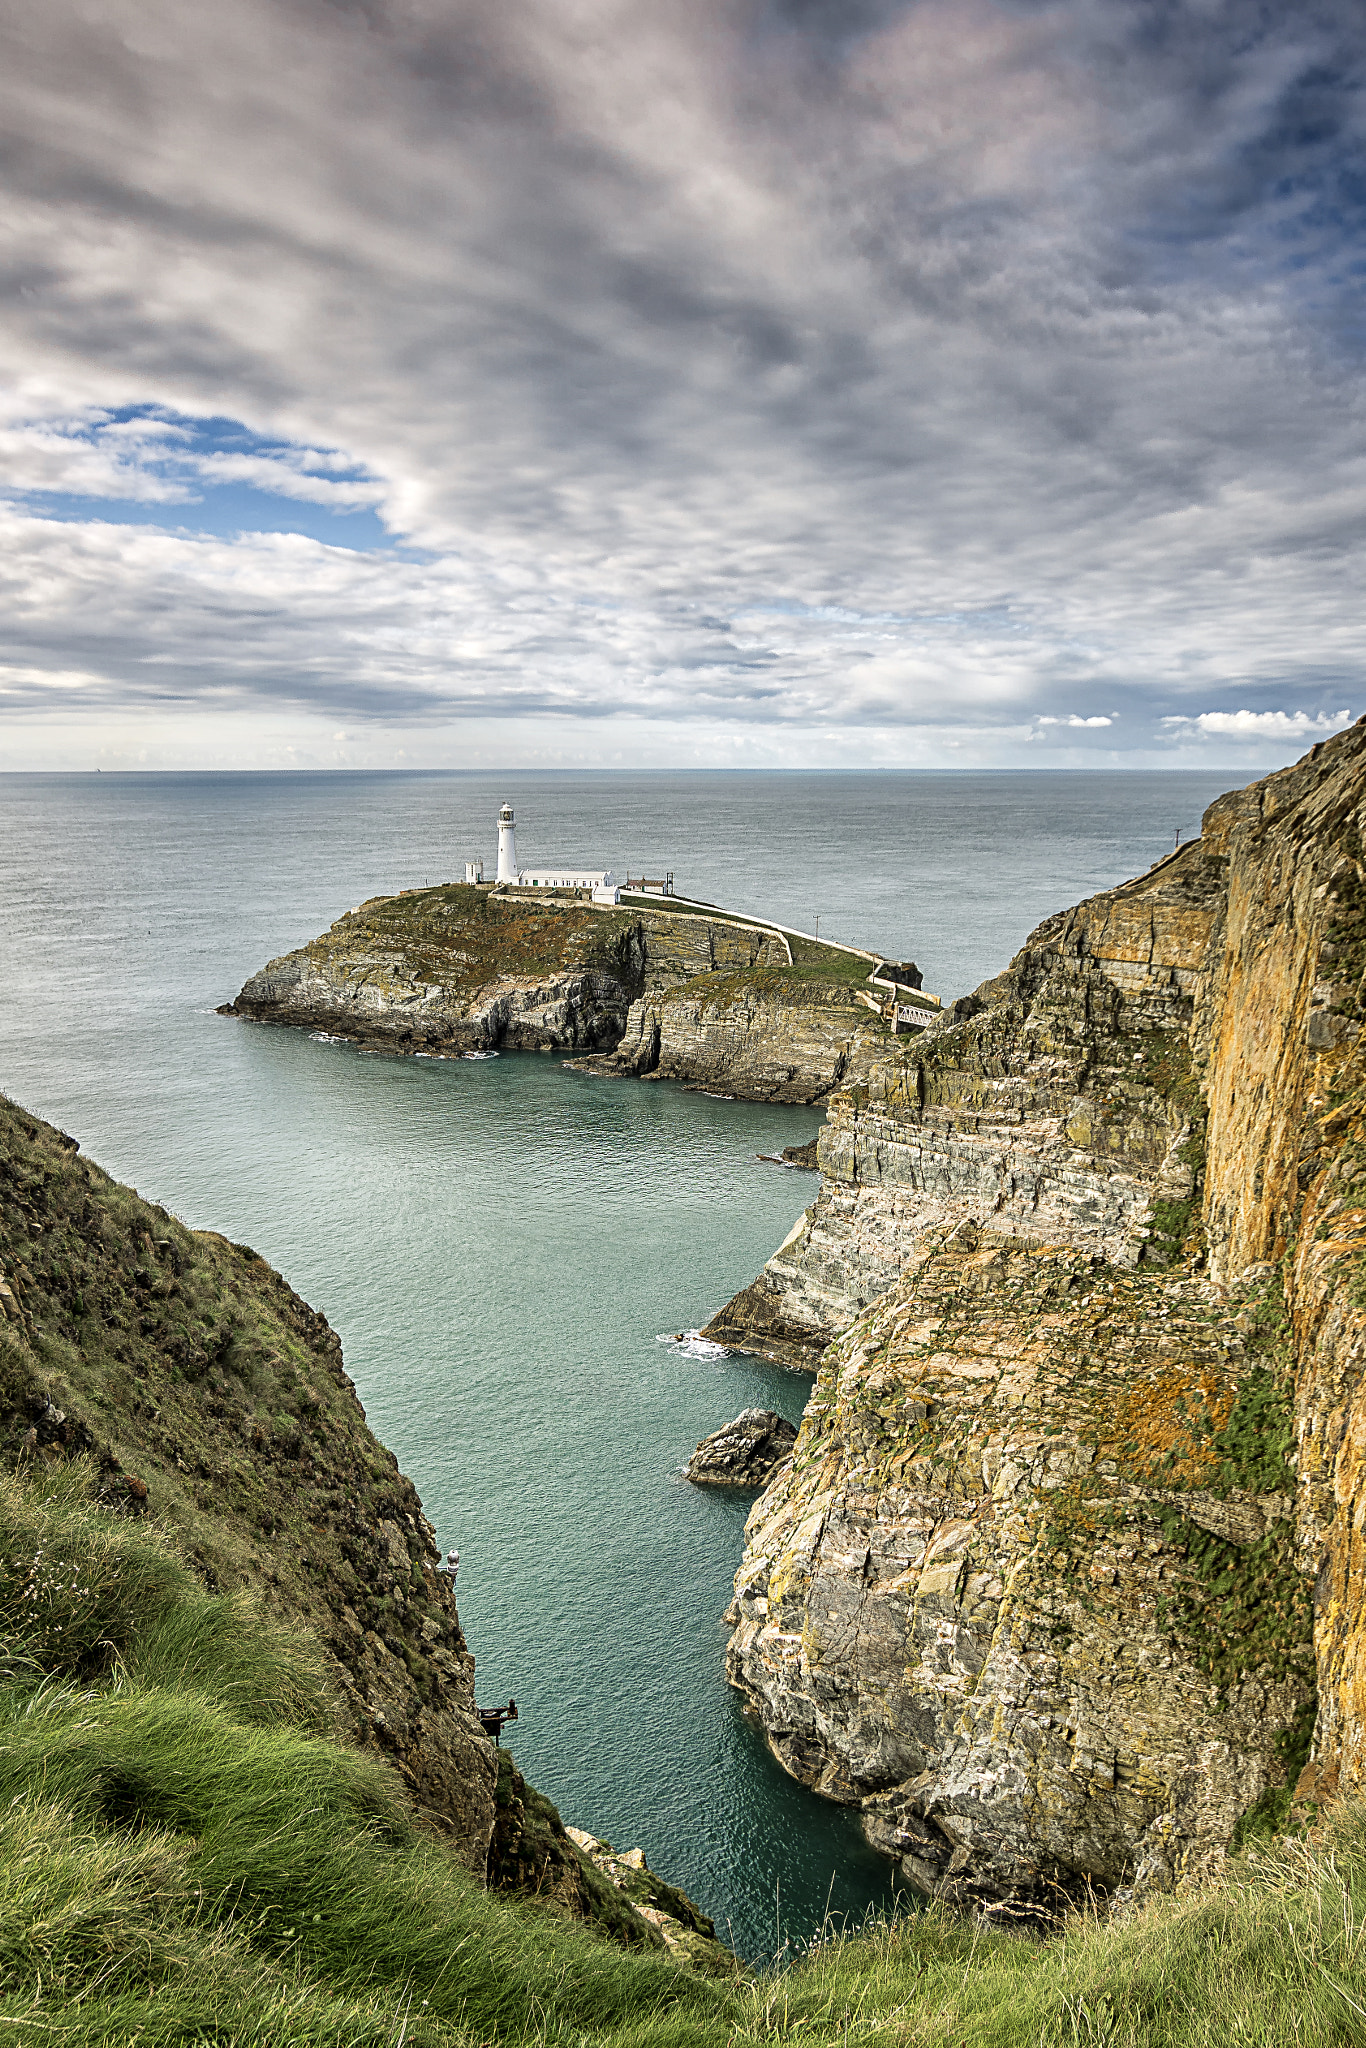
[{"x": 747, "y": 1452}]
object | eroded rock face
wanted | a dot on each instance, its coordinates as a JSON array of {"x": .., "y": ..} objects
[
  {"x": 766, "y": 1039},
  {"x": 1071, "y": 1529},
  {"x": 978, "y": 1603},
  {"x": 747, "y": 1452},
  {"x": 460, "y": 969},
  {"x": 457, "y": 969},
  {"x": 1055, "y": 1101}
]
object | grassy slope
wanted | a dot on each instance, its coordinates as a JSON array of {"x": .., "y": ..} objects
[
  {"x": 464, "y": 938},
  {"x": 184, "y": 1860}
]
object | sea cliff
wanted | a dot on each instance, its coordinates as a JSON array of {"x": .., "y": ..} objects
[{"x": 1064, "y": 1572}]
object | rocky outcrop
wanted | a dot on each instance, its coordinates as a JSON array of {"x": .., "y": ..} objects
[
  {"x": 1056, "y": 1101},
  {"x": 747, "y": 1452},
  {"x": 686, "y": 1933},
  {"x": 208, "y": 1396},
  {"x": 1069, "y": 1540},
  {"x": 466, "y": 969},
  {"x": 803, "y": 1156},
  {"x": 769, "y": 1037},
  {"x": 460, "y": 969},
  {"x": 987, "y": 1600},
  {"x": 713, "y": 1002}
]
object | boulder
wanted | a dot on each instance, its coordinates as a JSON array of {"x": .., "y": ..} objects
[{"x": 747, "y": 1452}]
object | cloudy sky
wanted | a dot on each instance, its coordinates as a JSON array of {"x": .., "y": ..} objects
[{"x": 737, "y": 382}]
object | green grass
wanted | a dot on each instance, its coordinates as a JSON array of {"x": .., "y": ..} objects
[
  {"x": 184, "y": 1861},
  {"x": 211, "y": 1403}
]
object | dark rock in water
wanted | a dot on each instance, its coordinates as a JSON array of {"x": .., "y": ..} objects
[
  {"x": 747, "y": 1452},
  {"x": 801, "y": 1155}
]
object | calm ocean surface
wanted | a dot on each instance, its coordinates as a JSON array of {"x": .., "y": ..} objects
[{"x": 501, "y": 1244}]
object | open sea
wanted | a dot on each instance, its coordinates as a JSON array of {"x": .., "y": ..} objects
[{"x": 503, "y": 1246}]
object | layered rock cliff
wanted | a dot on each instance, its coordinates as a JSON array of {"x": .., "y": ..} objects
[
  {"x": 770, "y": 1035},
  {"x": 1069, "y": 1538},
  {"x": 211, "y": 1398},
  {"x": 1055, "y": 1099}
]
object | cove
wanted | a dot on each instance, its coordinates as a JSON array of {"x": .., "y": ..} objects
[{"x": 504, "y": 1243}]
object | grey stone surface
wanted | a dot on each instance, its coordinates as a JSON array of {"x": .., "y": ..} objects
[{"x": 747, "y": 1452}]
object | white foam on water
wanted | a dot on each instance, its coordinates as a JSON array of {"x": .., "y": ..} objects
[
  {"x": 692, "y": 1344},
  {"x": 478, "y": 1055},
  {"x": 327, "y": 1038}
]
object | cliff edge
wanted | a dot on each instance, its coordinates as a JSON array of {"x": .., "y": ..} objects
[
  {"x": 211, "y": 1399},
  {"x": 1064, "y": 1576}
]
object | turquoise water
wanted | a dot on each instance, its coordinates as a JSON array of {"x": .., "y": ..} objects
[{"x": 501, "y": 1244}]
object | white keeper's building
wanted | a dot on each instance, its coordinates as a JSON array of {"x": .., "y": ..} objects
[{"x": 546, "y": 875}]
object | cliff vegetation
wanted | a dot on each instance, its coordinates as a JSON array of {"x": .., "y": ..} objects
[
  {"x": 211, "y": 1405},
  {"x": 187, "y": 1859}
]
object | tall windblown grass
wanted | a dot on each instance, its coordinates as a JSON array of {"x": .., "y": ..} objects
[{"x": 185, "y": 1859}]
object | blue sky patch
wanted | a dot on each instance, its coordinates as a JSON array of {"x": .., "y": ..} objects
[{"x": 147, "y": 466}]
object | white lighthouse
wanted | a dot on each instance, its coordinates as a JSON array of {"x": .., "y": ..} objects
[{"x": 507, "y": 846}]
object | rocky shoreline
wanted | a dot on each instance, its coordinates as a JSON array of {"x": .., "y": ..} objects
[{"x": 1060, "y": 1587}]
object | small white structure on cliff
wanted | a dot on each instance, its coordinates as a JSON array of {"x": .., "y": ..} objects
[
  {"x": 507, "y": 846},
  {"x": 601, "y": 881}
]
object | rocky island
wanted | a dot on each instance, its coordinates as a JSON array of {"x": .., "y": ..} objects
[
  {"x": 653, "y": 991},
  {"x": 1062, "y": 1586}
]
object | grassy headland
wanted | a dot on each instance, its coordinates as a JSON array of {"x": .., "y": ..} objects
[
  {"x": 185, "y": 1858},
  {"x": 465, "y": 937}
]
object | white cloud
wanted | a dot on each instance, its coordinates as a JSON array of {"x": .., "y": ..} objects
[
  {"x": 92, "y": 456},
  {"x": 925, "y": 369},
  {"x": 290, "y": 475},
  {"x": 1263, "y": 725}
]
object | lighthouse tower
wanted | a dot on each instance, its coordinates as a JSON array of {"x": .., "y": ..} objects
[{"x": 507, "y": 846}]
